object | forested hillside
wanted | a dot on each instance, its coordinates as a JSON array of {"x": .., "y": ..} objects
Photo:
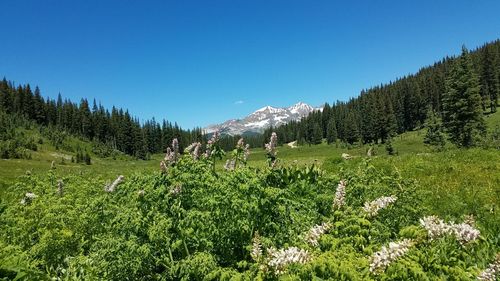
[
  {"x": 396, "y": 107},
  {"x": 117, "y": 129}
]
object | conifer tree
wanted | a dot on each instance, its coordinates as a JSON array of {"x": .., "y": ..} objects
[
  {"x": 351, "y": 129},
  {"x": 489, "y": 81},
  {"x": 317, "y": 134},
  {"x": 434, "y": 136},
  {"x": 331, "y": 131},
  {"x": 462, "y": 116}
]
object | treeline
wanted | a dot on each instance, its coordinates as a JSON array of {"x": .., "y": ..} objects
[
  {"x": 116, "y": 129},
  {"x": 228, "y": 143},
  {"x": 15, "y": 143},
  {"x": 383, "y": 111}
]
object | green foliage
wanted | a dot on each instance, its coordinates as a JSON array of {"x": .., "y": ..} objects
[
  {"x": 331, "y": 131},
  {"x": 14, "y": 142},
  {"x": 389, "y": 147},
  {"x": 462, "y": 115},
  {"x": 434, "y": 136},
  {"x": 192, "y": 224}
]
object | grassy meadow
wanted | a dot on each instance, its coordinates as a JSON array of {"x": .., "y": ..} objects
[{"x": 192, "y": 224}]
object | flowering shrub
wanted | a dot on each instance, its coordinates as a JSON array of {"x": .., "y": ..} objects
[
  {"x": 239, "y": 155},
  {"x": 271, "y": 152},
  {"x": 187, "y": 223},
  {"x": 338, "y": 202},
  {"x": 372, "y": 208},
  {"x": 463, "y": 232},
  {"x": 381, "y": 259}
]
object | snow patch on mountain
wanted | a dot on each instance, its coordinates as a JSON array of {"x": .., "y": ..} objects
[{"x": 263, "y": 118}]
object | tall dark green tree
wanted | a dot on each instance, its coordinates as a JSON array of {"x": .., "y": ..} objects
[
  {"x": 351, "y": 128},
  {"x": 317, "y": 134},
  {"x": 462, "y": 114},
  {"x": 331, "y": 131},
  {"x": 434, "y": 136},
  {"x": 489, "y": 80}
]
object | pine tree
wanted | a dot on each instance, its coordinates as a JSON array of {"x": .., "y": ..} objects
[
  {"x": 351, "y": 129},
  {"x": 434, "y": 136},
  {"x": 317, "y": 134},
  {"x": 489, "y": 81},
  {"x": 331, "y": 131},
  {"x": 462, "y": 116}
]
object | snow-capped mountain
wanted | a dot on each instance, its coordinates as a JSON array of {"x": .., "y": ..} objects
[{"x": 263, "y": 118}]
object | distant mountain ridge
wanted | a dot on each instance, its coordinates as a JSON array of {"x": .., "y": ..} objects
[{"x": 261, "y": 119}]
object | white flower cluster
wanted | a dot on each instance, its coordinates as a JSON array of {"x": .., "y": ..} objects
[
  {"x": 279, "y": 259},
  {"x": 271, "y": 146},
  {"x": 339, "y": 200},
  {"x": 372, "y": 208},
  {"x": 171, "y": 156},
  {"x": 381, "y": 259},
  {"x": 230, "y": 164},
  {"x": 194, "y": 149},
  {"x": 256, "y": 252},
  {"x": 315, "y": 233},
  {"x": 112, "y": 187},
  {"x": 211, "y": 142},
  {"x": 28, "y": 197},
  {"x": 492, "y": 272},
  {"x": 436, "y": 227},
  {"x": 246, "y": 148},
  {"x": 271, "y": 149},
  {"x": 246, "y": 152},
  {"x": 465, "y": 233}
]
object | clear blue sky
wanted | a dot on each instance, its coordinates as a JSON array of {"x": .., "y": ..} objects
[{"x": 201, "y": 62}]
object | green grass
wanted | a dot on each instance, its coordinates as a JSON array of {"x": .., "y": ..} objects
[{"x": 448, "y": 175}]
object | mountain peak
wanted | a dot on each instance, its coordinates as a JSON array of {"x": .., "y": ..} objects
[{"x": 263, "y": 118}]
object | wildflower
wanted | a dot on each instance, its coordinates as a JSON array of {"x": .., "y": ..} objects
[
  {"x": 163, "y": 167},
  {"x": 381, "y": 259},
  {"x": 175, "y": 147},
  {"x": 141, "y": 193},
  {"x": 256, "y": 252},
  {"x": 373, "y": 207},
  {"x": 194, "y": 150},
  {"x": 279, "y": 259},
  {"x": 271, "y": 146},
  {"x": 60, "y": 187},
  {"x": 171, "y": 156},
  {"x": 465, "y": 233},
  {"x": 240, "y": 144},
  {"x": 230, "y": 164},
  {"x": 28, "y": 197},
  {"x": 315, "y": 233},
  {"x": 271, "y": 150},
  {"x": 112, "y": 187},
  {"x": 246, "y": 152},
  {"x": 492, "y": 271},
  {"x": 436, "y": 227},
  {"x": 346, "y": 156},
  {"x": 211, "y": 143},
  {"x": 339, "y": 200}
]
